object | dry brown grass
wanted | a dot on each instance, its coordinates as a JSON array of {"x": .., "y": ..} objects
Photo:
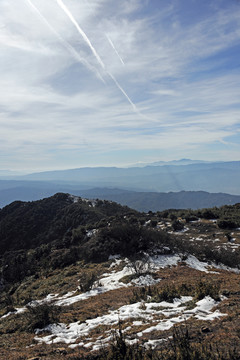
[{"x": 16, "y": 344}]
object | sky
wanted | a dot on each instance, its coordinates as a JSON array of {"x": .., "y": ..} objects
[{"x": 107, "y": 82}]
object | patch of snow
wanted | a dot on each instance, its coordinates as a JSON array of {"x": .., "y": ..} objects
[
  {"x": 48, "y": 299},
  {"x": 137, "y": 323},
  {"x": 145, "y": 280},
  {"x": 65, "y": 301},
  {"x": 194, "y": 263},
  {"x": 126, "y": 329},
  {"x": 203, "y": 309},
  {"x": 73, "y": 346},
  {"x": 117, "y": 262},
  {"x": 147, "y": 223},
  {"x": 92, "y": 232},
  {"x": 227, "y": 268},
  {"x": 74, "y": 198},
  {"x": 17, "y": 311},
  {"x": 90, "y": 202},
  {"x": 74, "y": 331},
  {"x": 215, "y": 240},
  {"x": 153, "y": 343},
  {"x": 132, "y": 341},
  {"x": 70, "y": 333},
  {"x": 109, "y": 281},
  {"x": 165, "y": 324},
  {"x": 162, "y": 261},
  {"x": 202, "y": 312}
]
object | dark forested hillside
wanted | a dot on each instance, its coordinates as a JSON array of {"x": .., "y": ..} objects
[
  {"x": 57, "y": 231},
  {"x": 25, "y": 225}
]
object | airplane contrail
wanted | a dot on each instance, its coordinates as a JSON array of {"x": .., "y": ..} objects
[
  {"x": 124, "y": 92},
  {"x": 69, "y": 47},
  {"x": 82, "y": 33},
  {"x": 86, "y": 39},
  {"x": 112, "y": 45}
]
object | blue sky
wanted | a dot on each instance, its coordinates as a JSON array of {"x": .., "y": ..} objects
[{"x": 106, "y": 82}]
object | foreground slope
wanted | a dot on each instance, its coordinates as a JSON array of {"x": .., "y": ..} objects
[{"x": 93, "y": 280}]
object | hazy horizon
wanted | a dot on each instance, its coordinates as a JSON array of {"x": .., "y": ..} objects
[{"x": 177, "y": 162}]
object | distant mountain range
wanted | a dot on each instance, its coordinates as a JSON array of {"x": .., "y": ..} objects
[
  {"x": 156, "y": 187},
  {"x": 211, "y": 177}
]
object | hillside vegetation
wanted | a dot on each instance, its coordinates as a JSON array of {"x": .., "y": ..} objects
[{"x": 108, "y": 275}]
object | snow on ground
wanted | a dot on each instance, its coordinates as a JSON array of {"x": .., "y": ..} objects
[
  {"x": 48, "y": 299},
  {"x": 226, "y": 268},
  {"x": 74, "y": 198},
  {"x": 17, "y": 311},
  {"x": 145, "y": 280},
  {"x": 194, "y": 263},
  {"x": 111, "y": 281},
  {"x": 202, "y": 311},
  {"x": 90, "y": 202},
  {"x": 164, "y": 315},
  {"x": 108, "y": 281},
  {"x": 90, "y": 233},
  {"x": 162, "y": 261},
  {"x": 154, "y": 343}
]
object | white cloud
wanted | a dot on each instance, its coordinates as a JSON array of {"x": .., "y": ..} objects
[{"x": 177, "y": 74}]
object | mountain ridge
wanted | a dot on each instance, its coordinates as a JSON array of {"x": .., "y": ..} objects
[{"x": 211, "y": 177}]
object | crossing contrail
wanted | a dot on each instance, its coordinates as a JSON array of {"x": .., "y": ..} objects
[
  {"x": 112, "y": 45},
  {"x": 68, "y": 46},
  {"x": 86, "y": 39}
]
